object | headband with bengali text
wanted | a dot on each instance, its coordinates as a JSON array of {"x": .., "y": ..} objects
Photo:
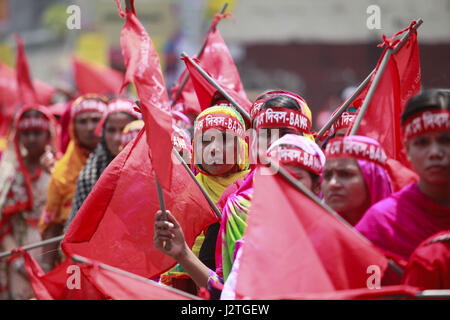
[
  {"x": 344, "y": 121},
  {"x": 219, "y": 121},
  {"x": 280, "y": 117},
  {"x": 33, "y": 123},
  {"x": 362, "y": 150},
  {"x": 297, "y": 157},
  {"x": 89, "y": 105},
  {"x": 429, "y": 121}
]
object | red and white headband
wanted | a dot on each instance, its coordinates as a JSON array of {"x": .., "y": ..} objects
[
  {"x": 280, "y": 117},
  {"x": 424, "y": 122},
  {"x": 121, "y": 105},
  {"x": 33, "y": 123},
  {"x": 297, "y": 157},
  {"x": 344, "y": 121},
  {"x": 362, "y": 150},
  {"x": 89, "y": 105},
  {"x": 219, "y": 121}
]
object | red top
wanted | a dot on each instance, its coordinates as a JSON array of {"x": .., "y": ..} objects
[{"x": 429, "y": 265}]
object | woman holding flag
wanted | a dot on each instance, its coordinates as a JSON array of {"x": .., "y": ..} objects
[
  {"x": 220, "y": 155},
  {"x": 281, "y": 151}
]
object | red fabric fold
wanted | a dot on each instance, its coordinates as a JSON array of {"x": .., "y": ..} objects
[{"x": 294, "y": 247}]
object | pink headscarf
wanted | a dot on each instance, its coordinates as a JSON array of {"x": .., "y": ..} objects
[{"x": 378, "y": 182}]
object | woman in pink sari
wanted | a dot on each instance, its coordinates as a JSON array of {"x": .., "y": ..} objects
[
  {"x": 354, "y": 177},
  {"x": 402, "y": 221}
]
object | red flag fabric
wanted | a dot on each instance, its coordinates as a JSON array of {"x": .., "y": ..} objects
[
  {"x": 218, "y": 62},
  {"x": 293, "y": 246},
  {"x": 397, "y": 292},
  {"x": 9, "y": 96},
  {"x": 144, "y": 69},
  {"x": 57, "y": 284},
  {"x": 27, "y": 94},
  {"x": 90, "y": 78},
  {"x": 115, "y": 223},
  {"x": 399, "y": 82},
  {"x": 205, "y": 91},
  {"x": 118, "y": 286}
]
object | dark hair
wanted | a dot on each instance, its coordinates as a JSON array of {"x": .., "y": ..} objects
[
  {"x": 266, "y": 94},
  {"x": 33, "y": 113},
  {"x": 281, "y": 101},
  {"x": 427, "y": 100}
]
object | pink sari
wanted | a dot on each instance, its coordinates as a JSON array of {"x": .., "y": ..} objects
[{"x": 399, "y": 223}]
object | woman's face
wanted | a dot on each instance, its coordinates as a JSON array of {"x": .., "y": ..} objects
[
  {"x": 85, "y": 125},
  {"x": 34, "y": 141},
  {"x": 430, "y": 157},
  {"x": 216, "y": 152},
  {"x": 304, "y": 177},
  {"x": 344, "y": 189},
  {"x": 114, "y": 126}
]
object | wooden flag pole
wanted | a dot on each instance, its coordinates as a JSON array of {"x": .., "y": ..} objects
[
  {"x": 218, "y": 87},
  {"x": 80, "y": 259},
  {"x": 377, "y": 78},
  {"x": 277, "y": 169},
  {"x": 345, "y": 105},
  {"x": 200, "y": 53},
  {"x": 7, "y": 254}
]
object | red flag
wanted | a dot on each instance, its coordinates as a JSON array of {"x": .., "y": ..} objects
[
  {"x": 9, "y": 96},
  {"x": 27, "y": 94},
  {"x": 61, "y": 283},
  {"x": 144, "y": 69},
  {"x": 205, "y": 91},
  {"x": 295, "y": 247},
  {"x": 399, "y": 81},
  {"x": 122, "y": 287},
  {"x": 115, "y": 223},
  {"x": 218, "y": 62},
  {"x": 90, "y": 78},
  {"x": 395, "y": 292}
]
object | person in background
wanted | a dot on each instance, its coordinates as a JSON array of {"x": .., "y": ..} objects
[
  {"x": 399, "y": 223},
  {"x": 354, "y": 177},
  {"x": 119, "y": 113},
  {"x": 23, "y": 185},
  {"x": 86, "y": 113}
]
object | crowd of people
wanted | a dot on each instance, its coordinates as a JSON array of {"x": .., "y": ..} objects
[{"x": 51, "y": 164}]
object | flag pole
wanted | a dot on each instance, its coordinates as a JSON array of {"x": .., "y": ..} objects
[
  {"x": 277, "y": 169},
  {"x": 208, "y": 198},
  {"x": 345, "y": 105},
  {"x": 7, "y": 254},
  {"x": 200, "y": 53},
  {"x": 162, "y": 206},
  {"x": 80, "y": 259},
  {"x": 217, "y": 86},
  {"x": 377, "y": 78},
  {"x": 160, "y": 192},
  {"x": 434, "y": 294}
]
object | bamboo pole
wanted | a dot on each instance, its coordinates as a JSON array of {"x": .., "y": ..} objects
[
  {"x": 377, "y": 78},
  {"x": 345, "y": 105},
  {"x": 191, "y": 174},
  {"x": 218, "y": 87},
  {"x": 7, "y": 254}
]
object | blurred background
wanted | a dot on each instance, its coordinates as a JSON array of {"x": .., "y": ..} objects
[{"x": 318, "y": 49}]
